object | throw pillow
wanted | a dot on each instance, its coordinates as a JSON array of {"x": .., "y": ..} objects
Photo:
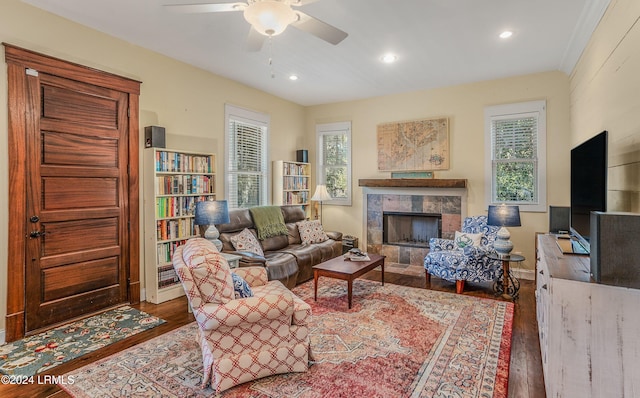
[
  {"x": 245, "y": 241},
  {"x": 311, "y": 232},
  {"x": 210, "y": 271},
  {"x": 241, "y": 287},
  {"x": 463, "y": 240}
]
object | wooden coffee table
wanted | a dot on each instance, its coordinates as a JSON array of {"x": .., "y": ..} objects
[{"x": 345, "y": 270}]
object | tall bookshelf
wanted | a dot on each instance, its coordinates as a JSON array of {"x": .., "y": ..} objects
[
  {"x": 291, "y": 184},
  {"x": 174, "y": 181}
]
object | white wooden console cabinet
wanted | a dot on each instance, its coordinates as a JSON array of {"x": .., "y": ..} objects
[{"x": 589, "y": 333}]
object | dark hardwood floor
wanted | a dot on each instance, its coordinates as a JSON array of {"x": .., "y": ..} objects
[{"x": 525, "y": 378}]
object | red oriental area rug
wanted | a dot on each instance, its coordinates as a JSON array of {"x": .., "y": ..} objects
[{"x": 396, "y": 341}]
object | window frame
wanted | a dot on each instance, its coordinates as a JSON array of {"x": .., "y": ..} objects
[
  {"x": 263, "y": 120},
  {"x": 338, "y": 128},
  {"x": 527, "y": 109}
]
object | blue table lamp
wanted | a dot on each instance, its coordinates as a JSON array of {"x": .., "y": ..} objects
[
  {"x": 211, "y": 212},
  {"x": 504, "y": 216}
]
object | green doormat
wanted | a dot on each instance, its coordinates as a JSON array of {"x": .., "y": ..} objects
[{"x": 46, "y": 350}]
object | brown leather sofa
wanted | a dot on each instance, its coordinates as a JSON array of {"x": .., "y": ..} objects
[{"x": 285, "y": 257}]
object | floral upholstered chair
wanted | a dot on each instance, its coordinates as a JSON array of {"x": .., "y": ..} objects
[
  {"x": 257, "y": 329},
  {"x": 465, "y": 258}
]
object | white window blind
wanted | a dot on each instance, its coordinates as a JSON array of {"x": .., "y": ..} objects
[
  {"x": 516, "y": 136},
  {"x": 246, "y": 157}
]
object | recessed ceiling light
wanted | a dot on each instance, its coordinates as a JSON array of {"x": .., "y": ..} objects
[
  {"x": 506, "y": 34},
  {"x": 293, "y": 77},
  {"x": 389, "y": 58}
]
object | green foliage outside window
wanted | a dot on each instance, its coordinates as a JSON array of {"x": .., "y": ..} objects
[
  {"x": 515, "y": 163},
  {"x": 515, "y": 182},
  {"x": 335, "y": 159}
]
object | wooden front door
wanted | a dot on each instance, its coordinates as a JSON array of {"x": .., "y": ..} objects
[
  {"x": 78, "y": 214},
  {"x": 77, "y": 218}
]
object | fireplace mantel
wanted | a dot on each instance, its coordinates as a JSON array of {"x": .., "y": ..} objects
[{"x": 412, "y": 183}]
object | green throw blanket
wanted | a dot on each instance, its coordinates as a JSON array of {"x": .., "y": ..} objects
[{"x": 268, "y": 221}]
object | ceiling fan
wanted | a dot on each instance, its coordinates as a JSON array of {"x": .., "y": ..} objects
[{"x": 269, "y": 18}]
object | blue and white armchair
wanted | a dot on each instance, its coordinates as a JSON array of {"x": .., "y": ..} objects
[{"x": 449, "y": 261}]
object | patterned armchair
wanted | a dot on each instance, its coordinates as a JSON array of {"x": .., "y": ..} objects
[
  {"x": 447, "y": 260},
  {"x": 242, "y": 338}
]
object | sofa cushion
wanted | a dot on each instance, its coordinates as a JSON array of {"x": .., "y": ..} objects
[
  {"x": 293, "y": 214},
  {"x": 311, "y": 232},
  {"x": 239, "y": 219},
  {"x": 275, "y": 243},
  {"x": 306, "y": 256},
  {"x": 282, "y": 266},
  {"x": 294, "y": 234},
  {"x": 247, "y": 242},
  {"x": 210, "y": 271}
]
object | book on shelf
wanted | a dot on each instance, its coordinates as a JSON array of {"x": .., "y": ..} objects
[
  {"x": 291, "y": 182},
  {"x": 175, "y": 229},
  {"x": 166, "y": 250},
  {"x": 295, "y": 169},
  {"x": 185, "y": 184},
  {"x": 296, "y": 198},
  {"x": 174, "y": 162},
  {"x": 177, "y": 206}
]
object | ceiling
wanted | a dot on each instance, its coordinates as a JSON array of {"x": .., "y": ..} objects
[{"x": 437, "y": 42}]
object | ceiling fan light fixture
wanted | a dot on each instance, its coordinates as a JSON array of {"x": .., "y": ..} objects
[
  {"x": 389, "y": 58},
  {"x": 269, "y": 17}
]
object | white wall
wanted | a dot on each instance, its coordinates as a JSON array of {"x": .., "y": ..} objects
[
  {"x": 464, "y": 106},
  {"x": 605, "y": 95}
]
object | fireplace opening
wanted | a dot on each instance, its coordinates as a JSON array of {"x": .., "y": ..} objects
[{"x": 410, "y": 229}]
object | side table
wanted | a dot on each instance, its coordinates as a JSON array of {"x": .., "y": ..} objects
[
  {"x": 507, "y": 285},
  {"x": 232, "y": 259}
]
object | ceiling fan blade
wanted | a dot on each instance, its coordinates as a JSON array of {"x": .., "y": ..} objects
[
  {"x": 296, "y": 3},
  {"x": 318, "y": 28},
  {"x": 255, "y": 40},
  {"x": 207, "y": 7}
]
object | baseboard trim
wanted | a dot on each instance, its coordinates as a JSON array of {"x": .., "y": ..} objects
[
  {"x": 143, "y": 294},
  {"x": 2, "y": 337},
  {"x": 522, "y": 273}
]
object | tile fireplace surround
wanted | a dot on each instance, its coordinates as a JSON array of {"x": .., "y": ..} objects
[{"x": 445, "y": 197}]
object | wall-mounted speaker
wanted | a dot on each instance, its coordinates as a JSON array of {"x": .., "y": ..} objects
[
  {"x": 154, "y": 137},
  {"x": 302, "y": 155},
  {"x": 615, "y": 252},
  {"x": 559, "y": 219}
]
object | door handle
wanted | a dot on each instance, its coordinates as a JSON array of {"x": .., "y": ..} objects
[{"x": 36, "y": 234}]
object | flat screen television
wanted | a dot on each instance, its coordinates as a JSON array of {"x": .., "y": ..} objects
[{"x": 588, "y": 185}]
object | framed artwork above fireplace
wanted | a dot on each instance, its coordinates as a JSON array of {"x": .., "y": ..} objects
[{"x": 418, "y": 145}]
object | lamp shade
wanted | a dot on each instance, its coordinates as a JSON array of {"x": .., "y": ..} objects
[
  {"x": 269, "y": 17},
  {"x": 210, "y": 212},
  {"x": 321, "y": 194},
  {"x": 504, "y": 216}
]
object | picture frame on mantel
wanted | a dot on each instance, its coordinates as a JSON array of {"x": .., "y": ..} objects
[
  {"x": 412, "y": 174},
  {"x": 419, "y": 145}
]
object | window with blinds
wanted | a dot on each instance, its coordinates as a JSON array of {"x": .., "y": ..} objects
[
  {"x": 246, "y": 157},
  {"x": 334, "y": 160},
  {"x": 516, "y": 154}
]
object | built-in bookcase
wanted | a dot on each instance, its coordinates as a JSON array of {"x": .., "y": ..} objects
[
  {"x": 291, "y": 184},
  {"x": 174, "y": 181}
]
